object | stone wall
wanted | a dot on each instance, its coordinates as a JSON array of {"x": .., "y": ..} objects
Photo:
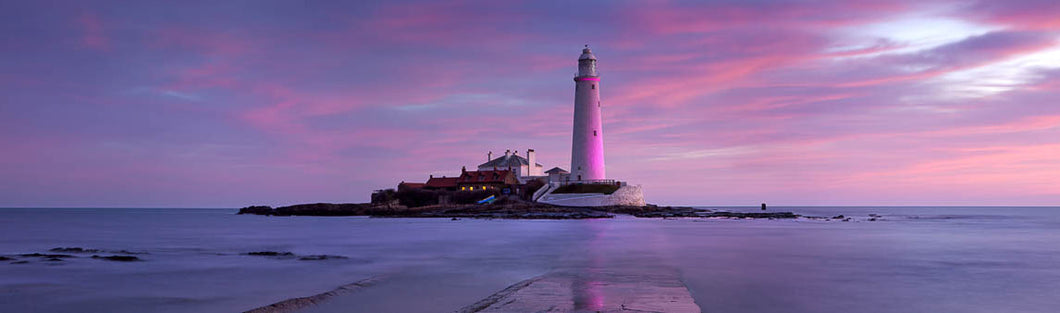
[{"x": 627, "y": 195}]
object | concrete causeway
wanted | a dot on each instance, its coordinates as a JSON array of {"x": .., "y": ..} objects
[{"x": 593, "y": 290}]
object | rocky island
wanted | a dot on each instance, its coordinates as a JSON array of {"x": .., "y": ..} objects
[{"x": 506, "y": 208}]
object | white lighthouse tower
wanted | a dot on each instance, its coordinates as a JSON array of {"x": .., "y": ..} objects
[
  {"x": 587, "y": 152},
  {"x": 587, "y": 148}
]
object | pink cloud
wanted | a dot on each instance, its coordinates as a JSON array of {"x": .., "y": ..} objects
[
  {"x": 92, "y": 32},
  {"x": 1029, "y": 123},
  {"x": 445, "y": 24},
  {"x": 1023, "y": 14},
  {"x": 748, "y": 101},
  {"x": 672, "y": 19}
]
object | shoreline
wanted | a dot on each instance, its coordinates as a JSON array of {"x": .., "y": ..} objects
[
  {"x": 505, "y": 210},
  {"x": 301, "y": 303}
]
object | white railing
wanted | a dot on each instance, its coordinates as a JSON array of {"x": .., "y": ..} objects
[
  {"x": 594, "y": 181},
  {"x": 541, "y": 192}
]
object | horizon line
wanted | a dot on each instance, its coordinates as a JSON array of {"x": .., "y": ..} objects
[{"x": 670, "y": 205}]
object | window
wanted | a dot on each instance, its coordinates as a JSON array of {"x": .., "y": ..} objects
[
  {"x": 594, "y": 86},
  {"x": 594, "y": 133}
]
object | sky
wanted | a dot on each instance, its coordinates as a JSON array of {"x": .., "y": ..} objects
[{"x": 234, "y": 103}]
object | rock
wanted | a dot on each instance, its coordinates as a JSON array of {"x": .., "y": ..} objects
[
  {"x": 75, "y": 250},
  {"x": 20, "y": 262},
  {"x": 258, "y": 210},
  {"x": 41, "y": 255},
  {"x": 118, "y": 258},
  {"x": 655, "y": 211},
  {"x": 838, "y": 217},
  {"x": 270, "y": 253},
  {"x": 4, "y": 258},
  {"x": 771, "y": 215},
  {"x": 506, "y": 208},
  {"x": 321, "y": 257},
  {"x": 326, "y": 209},
  {"x": 84, "y": 250},
  {"x": 54, "y": 259}
]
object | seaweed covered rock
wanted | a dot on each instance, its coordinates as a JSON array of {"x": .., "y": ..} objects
[
  {"x": 74, "y": 250},
  {"x": 324, "y": 209},
  {"x": 45, "y": 255},
  {"x": 258, "y": 210},
  {"x": 652, "y": 210},
  {"x": 773, "y": 215},
  {"x": 321, "y": 257},
  {"x": 271, "y": 253},
  {"x": 117, "y": 258}
]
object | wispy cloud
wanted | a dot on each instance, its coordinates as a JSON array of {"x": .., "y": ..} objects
[
  {"x": 92, "y": 31},
  {"x": 825, "y": 102}
]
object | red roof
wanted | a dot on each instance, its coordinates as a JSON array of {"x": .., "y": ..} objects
[
  {"x": 411, "y": 185},
  {"x": 494, "y": 176},
  {"x": 442, "y": 182}
]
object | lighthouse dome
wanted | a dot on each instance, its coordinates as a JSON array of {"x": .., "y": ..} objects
[{"x": 587, "y": 54}]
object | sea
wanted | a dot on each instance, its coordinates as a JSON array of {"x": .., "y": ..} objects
[{"x": 909, "y": 259}]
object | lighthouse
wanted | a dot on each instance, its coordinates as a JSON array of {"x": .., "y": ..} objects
[
  {"x": 587, "y": 152},
  {"x": 587, "y": 144}
]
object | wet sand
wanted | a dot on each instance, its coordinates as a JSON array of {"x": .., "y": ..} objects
[
  {"x": 565, "y": 290},
  {"x": 653, "y": 290},
  {"x": 595, "y": 276}
]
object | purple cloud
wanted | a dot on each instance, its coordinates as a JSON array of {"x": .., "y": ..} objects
[{"x": 206, "y": 104}]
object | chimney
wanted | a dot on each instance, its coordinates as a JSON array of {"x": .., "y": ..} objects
[
  {"x": 489, "y": 156},
  {"x": 531, "y": 158},
  {"x": 432, "y": 175},
  {"x": 506, "y": 152}
]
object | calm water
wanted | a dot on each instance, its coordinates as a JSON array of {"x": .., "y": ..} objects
[{"x": 914, "y": 260}]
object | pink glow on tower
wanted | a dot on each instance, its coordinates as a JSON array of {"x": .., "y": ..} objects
[{"x": 587, "y": 147}]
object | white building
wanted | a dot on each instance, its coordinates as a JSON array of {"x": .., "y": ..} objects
[{"x": 524, "y": 168}]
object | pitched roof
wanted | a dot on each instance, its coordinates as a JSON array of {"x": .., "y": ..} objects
[
  {"x": 557, "y": 170},
  {"x": 442, "y": 182},
  {"x": 496, "y": 176},
  {"x": 505, "y": 161},
  {"x": 411, "y": 185}
]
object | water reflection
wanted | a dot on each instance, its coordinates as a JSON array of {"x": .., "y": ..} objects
[{"x": 588, "y": 295}]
